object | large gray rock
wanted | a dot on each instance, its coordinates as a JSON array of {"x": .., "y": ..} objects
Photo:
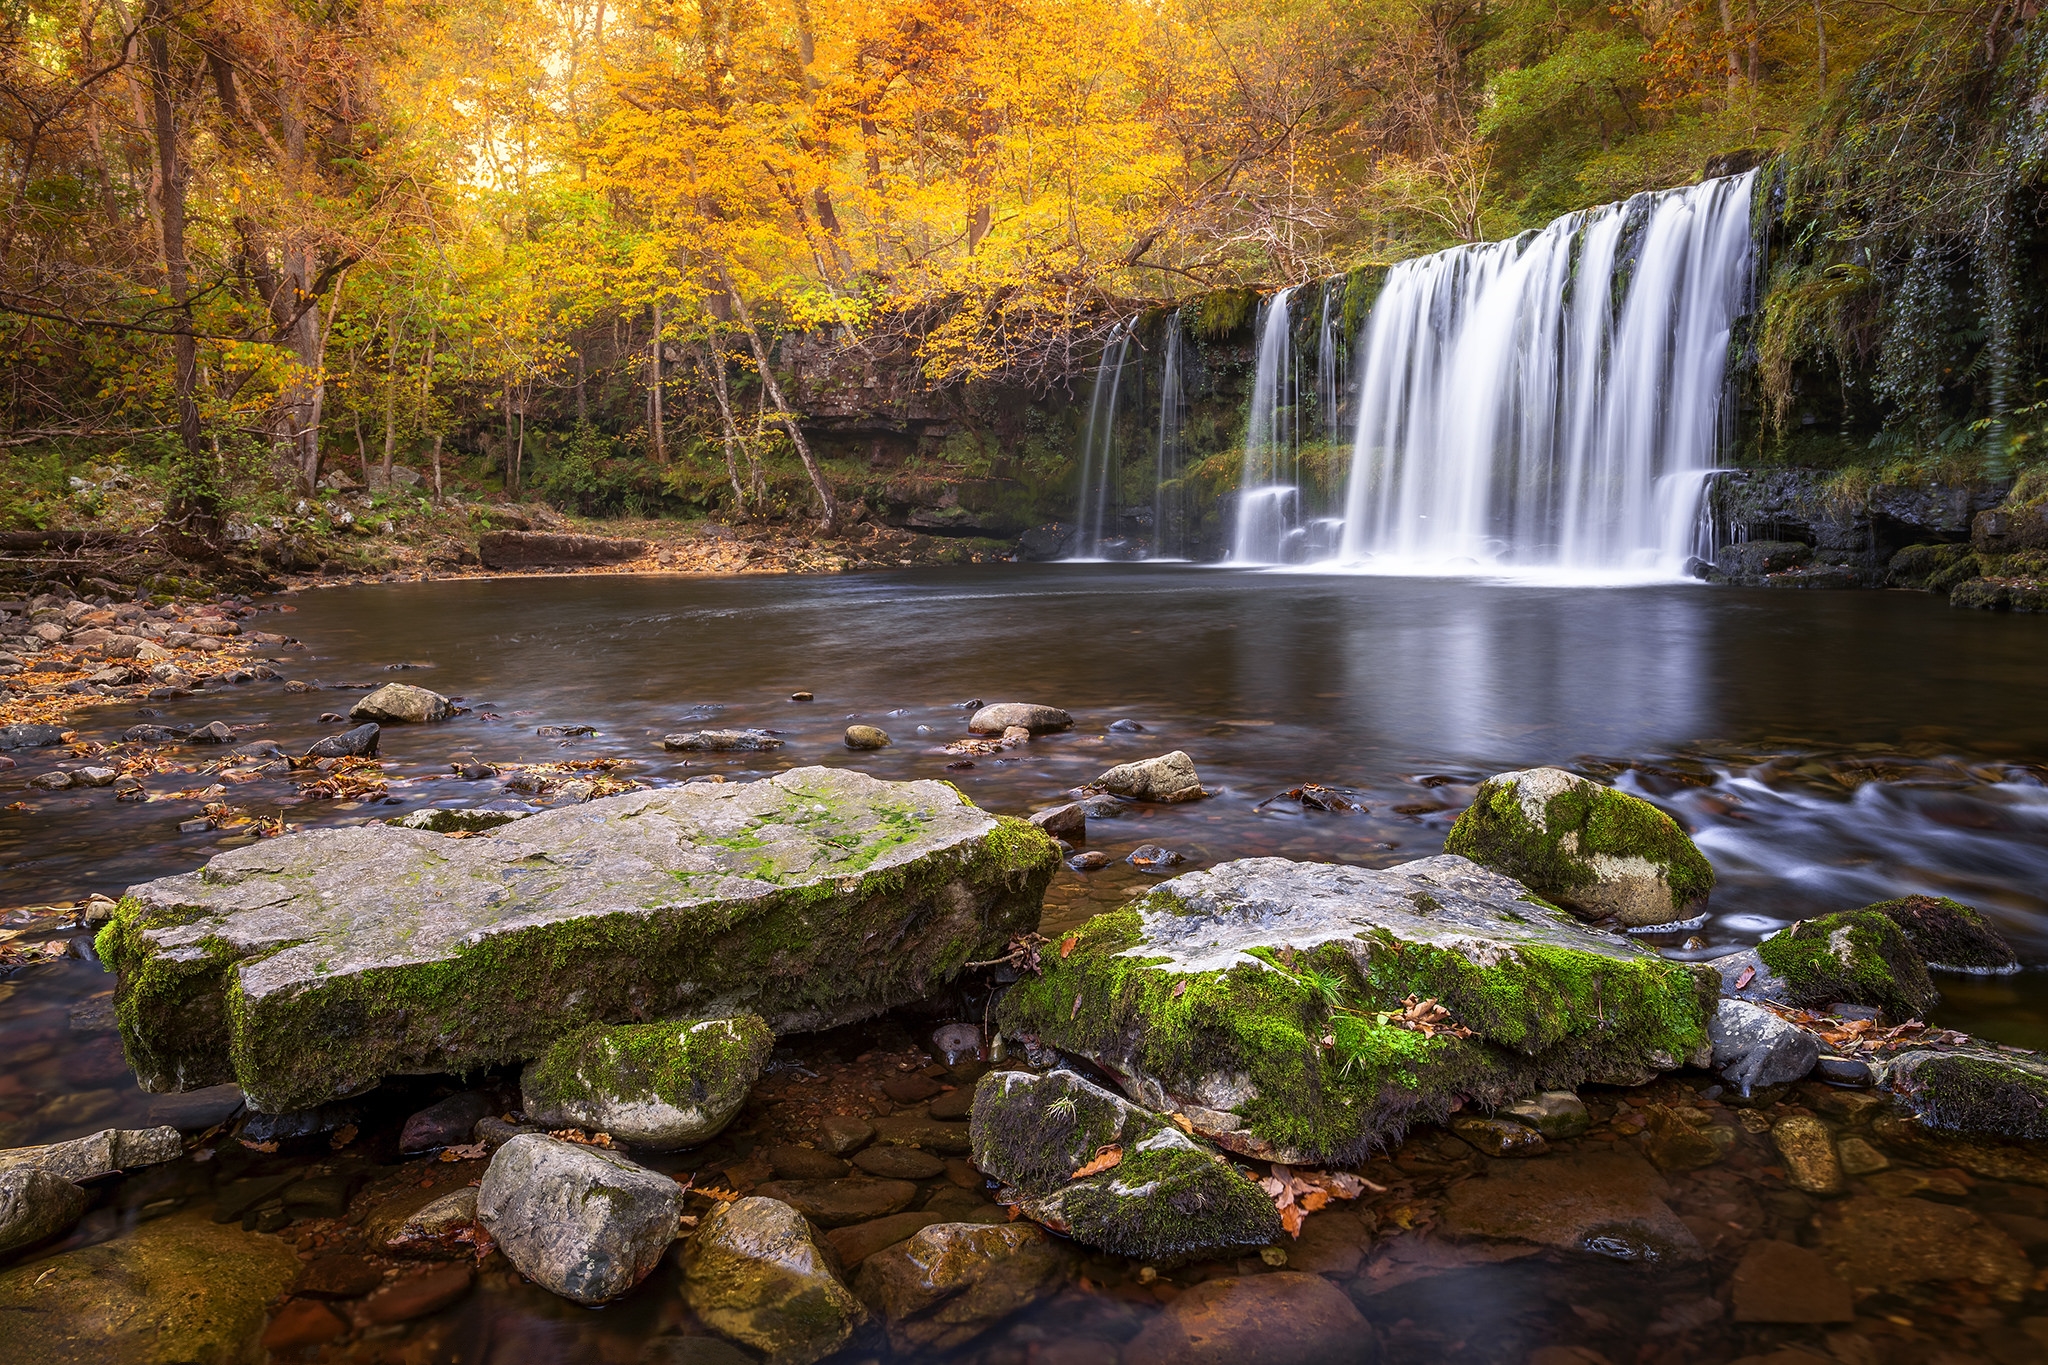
[
  {"x": 1754, "y": 1048},
  {"x": 98, "y": 1154},
  {"x": 580, "y": 1221},
  {"x": 948, "y": 1283},
  {"x": 1000, "y": 716},
  {"x": 314, "y": 965},
  {"x": 754, "y": 1272},
  {"x": 665, "y": 1086},
  {"x": 1587, "y": 847},
  {"x": 34, "y": 1204},
  {"x": 1169, "y": 777},
  {"x": 402, "y": 704},
  {"x": 1170, "y": 1195},
  {"x": 1265, "y": 1000}
]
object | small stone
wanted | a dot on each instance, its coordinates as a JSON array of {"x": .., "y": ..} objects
[
  {"x": 801, "y": 696},
  {"x": 1808, "y": 1152},
  {"x": 900, "y": 1163},
  {"x": 836, "y": 1203},
  {"x": 1557, "y": 1114},
  {"x": 1783, "y": 1282},
  {"x": 841, "y": 1134},
  {"x": 1089, "y": 861},
  {"x": 219, "y": 732},
  {"x": 34, "y": 1204},
  {"x": 445, "y": 1123},
  {"x": 1850, "y": 1071},
  {"x": 962, "y": 1173},
  {"x": 93, "y": 777},
  {"x": 908, "y": 1130},
  {"x": 582, "y": 1222},
  {"x": 720, "y": 741},
  {"x": 666, "y": 1086},
  {"x": 50, "y": 782},
  {"x": 402, "y": 704},
  {"x": 360, "y": 742},
  {"x": 866, "y": 737},
  {"x": 1039, "y": 720},
  {"x": 1069, "y": 821},
  {"x": 1499, "y": 1137},
  {"x": 302, "y": 1322},
  {"x": 802, "y": 1163},
  {"x": 910, "y": 1089},
  {"x": 956, "y": 1103},
  {"x": 1282, "y": 1318},
  {"x": 1858, "y": 1157},
  {"x": 1153, "y": 858},
  {"x": 1126, "y": 727},
  {"x": 856, "y": 1243},
  {"x": 1015, "y": 735},
  {"x": 419, "y": 1295},
  {"x": 753, "y": 1273},
  {"x": 436, "y": 1221},
  {"x": 948, "y": 1283},
  {"x": 1168, "y": 778}
]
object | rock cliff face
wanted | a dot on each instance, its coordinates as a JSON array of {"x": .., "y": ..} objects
[{"x": 1821, "y": 533}]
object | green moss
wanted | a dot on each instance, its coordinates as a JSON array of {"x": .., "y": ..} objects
[
  {"x": 682, "y": 1065},
  {"x": 1219, "y": 313},
  {"x": 1169, "y": 1203},
  {"x": 1980, "y": 1095},
  {"x": 1362, "y": 284},
  {"x": 1947, "y": 933},
  {"x": 1860, "y": 958}
]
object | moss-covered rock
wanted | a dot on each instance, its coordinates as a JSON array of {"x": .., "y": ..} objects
[
  {"x": 665, "y": 1086},
  {"x": 1857, "y": 958},
  {"x": 1994, "y": 1094},
  {"x": 1587, "y": 847},
  {"x": 1170, "y": 1196},
  {"x": 314, "y": 965},
  {"x": 1264, "y": 1001},
  {"x": 1949, "y": 934}
]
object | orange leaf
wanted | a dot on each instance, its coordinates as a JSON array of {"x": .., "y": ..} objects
[
  {"x": 1313, "y": 1200},
  {"x": 1180, "y": 988},
  {"x": 1182, "y": 1122},
  {"x": 1067, "y": 947},
  {"x": 1105, "y": 1159},
  {"x": 1292, "y": 1218}
]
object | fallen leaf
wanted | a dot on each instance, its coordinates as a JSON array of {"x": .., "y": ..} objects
[
  {"x": 1105, "y": 1159},
  {"x": 1292, "y": 1218},
  {"x": 1077, "y": 1009},
  {"x": 270, "y": 1146},
  {"x": 475, "y": 1151},
  {"x": 1182, "y": 1122},
  {"x": 1067, "y": 947},
  {"x": 1748, "y": 975},
  {"x": 343, "y": 1136},
  {"x": 1180, "y": 988}
]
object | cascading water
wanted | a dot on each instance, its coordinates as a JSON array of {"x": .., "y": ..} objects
[
  {"x": 1554, "y": 401},
  {"x": 1169, "y": 504},
  {"x": 1098, "y": 510},
  {"x": 1328, "y": 397},
  {"x": 1268, "y": 499}
]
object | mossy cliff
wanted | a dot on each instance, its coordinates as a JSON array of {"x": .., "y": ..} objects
[
  {"x": 314, "y": 965},
  {"x": 1266, "y": 1001}
]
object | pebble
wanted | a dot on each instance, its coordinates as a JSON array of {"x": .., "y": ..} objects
[
  {"x": 856, "y": 1243},
  {"x": 1850, "y": 1071},
  {"x": 302, "y": 1322},
  {"x": 802, "y": 1163},
  {"x": 957, "y": 1103},
  {"x": 1557, "y": 1114},
  {"x": 841, "y": 1134},
  {"x": 1153, "y": 858},
  {"x": 911, "y": 1088},
  {"x": 1069, "y": 821},
  {"x": 1089, "y": 861},
  {"x": 801, "y": 696},
  {"x": 1808, "y": 1151},
  {"x": 835, "y": 1203},
  {"x": 1278, "y": 1318},
  {"x": 1499, "y": 1137},
  {"x": 1858, "y": 1157}
]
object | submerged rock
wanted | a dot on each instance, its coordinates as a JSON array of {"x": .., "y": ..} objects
[
  {"x": 813, "y": 898},
  {"x": 1263, "y": 1000},
  {"x": 950, "y": 1282},
  {"x": 720, "y": 741},
  {"x": 1169, "y": 1196},
  {"x": 1948, "y": 934},
  {"x": 34, "y": 1204},
  {"x": 580, "y": 1221},
  {"x": 1602, "y": 1203},
  {"x": 1168, "y": 778},
  {"x": 1999, "y": 1094},
  {"x": 1039, "y": 720},
  {"x": 754, "y": 1273},
  {"x": 1587, "y": 847},
  {"x": 658, "y": 1085},
  {"x": 402, "y": 704},
  {"x": 445, "y": 1123},
  {"x": 1286, "y": 1318},
  {"x": 1754, "y": 1048}
]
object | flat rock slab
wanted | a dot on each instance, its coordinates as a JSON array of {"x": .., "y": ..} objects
[
  {"x": 315, "y": 965},
  {"x": 538, "y": 549},
  {"x": 1607, "y": 1204},
  {"x": 1261, "y": 999}
]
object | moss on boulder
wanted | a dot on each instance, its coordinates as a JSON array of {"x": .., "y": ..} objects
[
  {"x": 1991, "y": 1094},
  {"x": 1170, "y": 1196},
  {"x": 666, "y": 1086},
  {"x": 1949, "y": 934},
  {"x": 312, "y": 966},
  {"x": 1589, "y": 848},
  {"x": 1859, "y": 958},
  {"x": 1261, "y": 999}
]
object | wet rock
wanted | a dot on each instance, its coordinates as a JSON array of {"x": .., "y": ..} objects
[
  {"x": 1126, "y": 727},
  {"x": 958, "y": 1042},
  {"x": 2000, "y": 1094},
  {"x": 1285, "y": 1318},
  {"x": 101, "y": 1153},
  {"x": 50, "y": 782},
  {"x": 1808, "y": 1152},
  {"x": 580, "y": 1221},
  {"x": 1587, "y": 847},
  {"x": 463, "y": 820},
  {"x": 1881, "y": 1244},
  {"x": 302, "y": 1322},
  {"x": 31, "y": 736},
  {"x": 1674, "y": 1143},
  {"x": 664, "y": 1086},
  {"x": 866, "y": 737},
  {"x": 949, "y": 1283},
  {"x": 1039, "y": 720},
  {"x": 900, "y": 1163},
  {"x": 859, "y": 1241},
  {"x": 178, "y": 1288},
  {"x": 360, "y": 742},
  {"x": 1168, "y": 778},
  {"x": 801, "y": 1163},
  {"x": 1153, "y": 858},
  {"x": 1754, "y": 1048},
  {"x": 692, "y": 1351},
  {"x": 154, "y": 734},
  {"x": 957, "y": 1103},
  {"x": 402, "y": 704},
  {"x": 1169, "y": 1196},
  {"x": 1784, "y": 1282},
  {"x": 836, "y": 1203},
  {"x": 1090, "y": 861},
  {"x": 1850, "y": 1071},
  {"x": 300, "y": 1123},
  {"x": 1331, "y": 1242},
  {"x": 753, "y": 1273},
  {"x": 1948, "y": 934},
  {"x": 218, "y": 732},
  {"x": 1602, "y": 1203},
  {"x": 195, "y": 1111},
  {"x": 813, "y": 898},
  {"x": 911, "y": 1088},
  {"x": 842, "y": 1133},
  {"x": 34, "y": 1204},
  {"x": 94, "y": 777},
  {"x": 1859, "y": 1158},
  {"x": 434, "y": 1222},
  {"x": 720, "y": 741},
  {"x": 1189, "y": 996},
  {"x": 1557, "y": 1114},
  {"x": 1499, "y": 1137},
  {"x": 908, "y": 1130},
  {"x": 496, "y": 1131},
  {"x": 1748, "y": 561},
  {"x": 1861, "y": 958},
  {"x": 445, "y": 1123},
  {"x": 1069, "y": 822},
  {"x": 339, "y": 1276},
  {"x": 415, "y": 1296}
]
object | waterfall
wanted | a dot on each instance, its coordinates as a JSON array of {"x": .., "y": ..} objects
[
  {"x": 1551, "y": 402},
  {"x": 1268, "y": 497},
  {"x": 1169, "y": 501},
  {"x": 1327, "y": 396},
  {"x": 1098, "y": 509}
]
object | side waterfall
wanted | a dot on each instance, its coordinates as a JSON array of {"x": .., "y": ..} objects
[
  {"x": 1099, "y": 508},
  {"x": 1169, "y": 496},
  {"x": 1268, "y": 500},
  {"x": 1552, "y": 402}
]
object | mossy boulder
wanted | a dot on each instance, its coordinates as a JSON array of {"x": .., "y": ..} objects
[
  {"x": 313, "y": 966},
  {"x": 1170, "y": 1196},
  {"x": 756, "y": 1272},
  {"x": 1995, "y": 1094},
  {"x": 665, "y": 1086},
  {"x": 1589, "y": 848},
  {"x": 1267, "y": 1001},
  {"x": 1949, "y": 934},
  {"x": 1857, "y": 958}
]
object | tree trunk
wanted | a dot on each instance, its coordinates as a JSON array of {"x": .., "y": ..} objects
[
  {"x": 511, "y": 479},
  {"x": 437, "y": 468},
  {"x": 654, "y": 391},
  {"x": 1728, "y": 41},
  {"x": 830, "y": 516},
  {"x": 391, "y": 402},
  {"x": 714, "y": 374}
]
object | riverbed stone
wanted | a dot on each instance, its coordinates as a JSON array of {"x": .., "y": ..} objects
[
  {"x": 997, "y": 717},
  {"x": 1169, "y": 1196},
  {"x": 1069, "y": 821},
  {"x": 1784, "y": 1282},
  {"x": 1168, "y": 778},
  {"x": 1557, "y": 1114},
  {"x": 1807, "y": 1149},
  {"x": 1211, "y": 994},
  {"x": 360, "y": 742},
  {"x": 899, "y": 1163},
  {"x": 841, "y": 1134},
  {"x": 445, "y": 1123},
  {"x": 866, "y": 737},
  {"x": 1949, "y": 934},
  {"x": 98, "y": 1154},
  {"x": 664, "y": 1086},
  {"x": 181, "y": 1288},
  {"x": 1754, "y": 1048},
  {"x": 720, "y": 741},
  {"x": 858, "y": 1241},
  {"x": 948, "y": 1283},
  {"x": 813, "y": 898},
  {"x": 402, "y": 704},
  {"x": 1857, "y": 958},
  {"x": 754, "y": 1273},
  {"x": 1285, "y": 1318},
  {"x": 1975, "y": 1090},
  {"x": 1601, "y": 1203},
  {"x": 582, "y": 1222},
  {"x": 836, "y": 1203},
  {"x": 34, "y": 1204},
  {"x": 1881, "y": 1243},
  {"x": 1590, "y": 848}
]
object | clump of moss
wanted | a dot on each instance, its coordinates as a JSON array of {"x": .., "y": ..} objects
[
  {"x": 1931, "y": 568},
  {"x": 1857, "y": 958},
  {"x": 1948, "y": 933},
  {"x": 1591, "y": 848},
  {"x": 2001, "y": 1097},
  {"x": 1219, "y": 313}
]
